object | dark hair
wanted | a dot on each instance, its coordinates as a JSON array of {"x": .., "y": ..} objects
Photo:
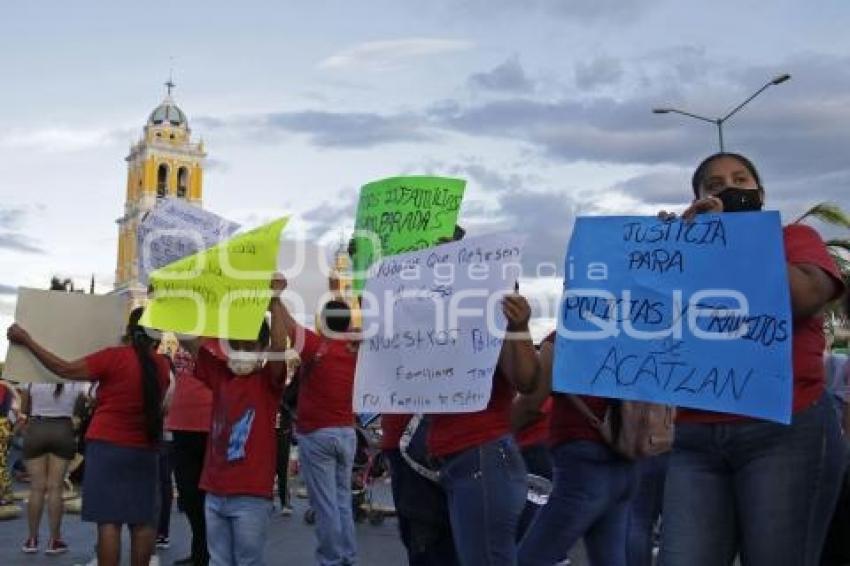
[
  {"x": 57, "y": 391},
  {"x": 702, "y": 168},
  {"x": 336, "y": 315},
  {"x": 143, "y": 344},
  {"x": 264, "y": 337}
]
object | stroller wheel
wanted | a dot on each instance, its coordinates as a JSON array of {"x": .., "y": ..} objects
[{"x": 310, "y": 517}]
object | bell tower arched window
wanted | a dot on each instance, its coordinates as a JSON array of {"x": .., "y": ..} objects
[
  {"x": 162, "y": 180},
  {"x": 182, "y": 182}
]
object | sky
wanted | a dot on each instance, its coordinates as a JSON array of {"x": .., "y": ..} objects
[{"x": 544, "y": 106}]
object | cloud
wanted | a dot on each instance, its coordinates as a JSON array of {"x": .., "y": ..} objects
[
  {"x": 659, "y": 187},
  {"x": 10, "y": 236},
  {"x": 60, "y": 139},
  {"x": 8, "y": 289},
  {"x": 508, "y": 76},
  {"x": 339, "y": 129},
  {"x": 580, "y": 11},
  {"x": 388, "y": 54},
  {"x": 18, "y": 243},
  {"x": 333, "y": 214},
  {"x": 598, "y": 72}
]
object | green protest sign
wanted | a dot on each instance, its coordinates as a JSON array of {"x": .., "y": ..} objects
[{"x": 403, "y": 214}]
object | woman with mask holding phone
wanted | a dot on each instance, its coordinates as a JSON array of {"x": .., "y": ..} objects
[{"x": 741, "y": 486}]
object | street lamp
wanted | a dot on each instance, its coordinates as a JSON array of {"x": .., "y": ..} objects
[{"x": 779, "y": 79}]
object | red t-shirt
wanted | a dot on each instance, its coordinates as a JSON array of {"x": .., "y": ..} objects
[
  {"x": 191, "y": 403},
  {"x": 802, "y": 245},
  {"x": 119, "y": 415},
  {"x": 242, "y": 446},
  {"x": 453, "y": 432},
  {"x": 327, "y": 384},
  {"x": 567, "y": 423},
  {"x": 538, "y": 431},
  {"x": 392, "y": 427}
]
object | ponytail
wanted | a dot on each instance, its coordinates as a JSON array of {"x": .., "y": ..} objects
[{"x": 151, "y": 394}]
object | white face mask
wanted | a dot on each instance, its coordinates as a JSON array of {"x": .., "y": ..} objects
[{"x": 245, "y": 364}]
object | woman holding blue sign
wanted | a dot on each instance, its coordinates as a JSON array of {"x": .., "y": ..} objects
[{"x": 758, "y": 489}]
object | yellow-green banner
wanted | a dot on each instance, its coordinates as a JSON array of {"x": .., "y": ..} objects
[
  {"x": 403, "y": 214},
  {"x": 220, "y": 292}
]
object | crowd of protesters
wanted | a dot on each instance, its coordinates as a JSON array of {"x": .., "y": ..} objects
[{"x": 222, "y": 414}]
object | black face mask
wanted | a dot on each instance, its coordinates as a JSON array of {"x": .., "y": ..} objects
[{"x": 740, "y": 200}]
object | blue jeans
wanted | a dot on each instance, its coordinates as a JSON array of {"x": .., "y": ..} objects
[
  {"x": 428, "y": 542},
  {"x": 645, "y": 509},
  {"x": 486, "y": 487},
  {"x": 326, "y": 457},
  {"x": 590, "y": 498},
  {"x": 763, "y": 489},
  {"x": 236, "y": 529}
]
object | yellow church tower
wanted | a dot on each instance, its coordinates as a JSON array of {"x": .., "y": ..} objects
[{"x": 163, "y": 163}]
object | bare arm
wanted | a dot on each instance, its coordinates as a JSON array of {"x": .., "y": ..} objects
[
  {"x": 74, "y": 370},
  {"x": 811, "y": 289},
  {"x": 518, "y": 358},
  {"x": 526, "y": 407},
  {"x": 278, "y": 330}
]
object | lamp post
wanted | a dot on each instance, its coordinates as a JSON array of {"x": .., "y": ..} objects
[{"x": 719, "y": 121}]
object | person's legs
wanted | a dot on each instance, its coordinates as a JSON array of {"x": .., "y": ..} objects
[
  {"x": 189, "y": 452},
  {"x": 538, "y": 462},
  {"x": 166, "y": 489},
  {"x": 108, "y": 544},
  {"x": 700, "y": 522},
  {"x": 585, "y": 485},
  {"x": 142, "y": 538},
  {"x": 219, "y": 531},
  {"x": 486, "y": 488},
  {"x": 346, "y": 446},
  {"x": 605, "y": 541},
  {"x": 56, "y": 468},
  {"x": 786, "y": 486},
  {"x": 645, "y": 509},
  {"x": 250, "y": 521},
  {"x": 37, "y": 471},
  {"x": 284, "y": 443},
  {"x": 317, "y": 456}
]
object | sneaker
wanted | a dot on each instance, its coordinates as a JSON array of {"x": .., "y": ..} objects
[
  {"x": 56, "y": 546},
  {"x": 30, "y": 546},
  {"x": 162, "y": 541},
  {"x": 286, "y": 511}
]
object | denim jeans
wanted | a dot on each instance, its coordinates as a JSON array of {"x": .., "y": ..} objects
[
  {"x": 590, "y": 498},
  {"x": 236, "y": 529},
  {"x": 761, "y": 489},
  {"x": 645, "y": 509},
  {"x": 326, "y": 458},
  {"x": 486, "y": 488},
  {"x": 428, "y": 543},
  {"x": 538, "y": 461}
]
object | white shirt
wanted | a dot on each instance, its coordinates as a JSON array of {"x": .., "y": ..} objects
[{"x": 44, "y": 404}]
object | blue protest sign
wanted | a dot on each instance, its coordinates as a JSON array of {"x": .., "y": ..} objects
[{"x": 691, "y": 314}]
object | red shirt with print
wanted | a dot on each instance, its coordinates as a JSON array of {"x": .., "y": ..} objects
[
  {"x": 326, "y": 383},
  {"x": 392, "y": 427},
  {"x": 242, "y": 445},
  {"x": 119, "y": 415},
  {"x": 803, "y": 245},
  {"x": 191, "y": 403},
  {"x": 453, "y": 432}
]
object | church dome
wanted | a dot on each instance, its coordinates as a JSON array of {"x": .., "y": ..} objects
[{"x": 168, "y": 113}]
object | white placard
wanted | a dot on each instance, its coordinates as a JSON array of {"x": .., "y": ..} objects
[
  {"x": 176, "y": 229},
  {"x": 433, "y": 327},
  {"x": 70, "y": 325}
]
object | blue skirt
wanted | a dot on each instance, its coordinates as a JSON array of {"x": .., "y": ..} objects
[{"x": 120, "y": 484}]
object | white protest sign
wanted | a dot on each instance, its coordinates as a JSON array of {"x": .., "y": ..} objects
[
  {"x": 176, "y": 229},
  {"x": 70, "y": 325},
  {"x": 433, "y": 327}
]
